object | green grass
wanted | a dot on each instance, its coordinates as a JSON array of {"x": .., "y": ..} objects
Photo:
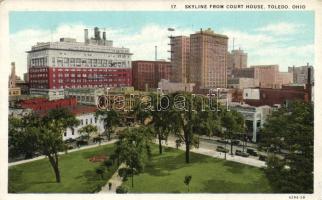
[
  {"x": 165, "y": 174},
  {"x": 77, "y": 174}
]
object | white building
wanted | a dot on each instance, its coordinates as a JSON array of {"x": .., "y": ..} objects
[
  {"x": 170, "y": 87},
  {"x": 255, "y": 117},
  {"x": 85, "y": 119}
]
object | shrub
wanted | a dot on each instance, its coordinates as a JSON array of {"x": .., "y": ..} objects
[
  {"x": 108, "y": 163},
  {"x": 100, "y": 171},
  {"x": 121, "y": 189}
]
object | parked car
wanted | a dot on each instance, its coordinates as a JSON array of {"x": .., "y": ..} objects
[
  {"x": 240, "y": 153},
  {"x": 252, "y": 152},
  {"x": 235, "y": 142},
  {"x": 222, "y": 149},
  {"x": 262, "y": 157},
  {"x": 222, "y": 141}
]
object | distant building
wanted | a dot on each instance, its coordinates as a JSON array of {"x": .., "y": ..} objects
[
  {"x": 147, "y": 74},
  {"x": 43, "y": 104},
  {"x": 50, "y": 94},
  {"x": 268, "y": 76},
  {"x": 171, "y": 87},
  {"x": 180, "y": 54},
  {"x": 272, "y": 97},
  {"x": 236, "y": 59},
  {"x": 87, "y": 96},
  {"x": 208, "y": 59},
  {"x": 13, "y": 89},
  {"x": 71, "y": 64},
  {"x": 300, "y": 74},
  {"x": 241, "y": 83}
]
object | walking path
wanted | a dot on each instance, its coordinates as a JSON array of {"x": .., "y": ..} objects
[
  {"x": 60, "y": 153},
  {"x": 116, "y": 181}
]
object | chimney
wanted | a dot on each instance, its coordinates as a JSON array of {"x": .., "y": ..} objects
[
  {"x": 156, "y": 53},
  {"x": 309, "y": 85},
  {"x": 86, "y": 36},
  {"x": 104, "y": 35}
]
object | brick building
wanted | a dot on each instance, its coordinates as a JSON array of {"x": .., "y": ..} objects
[
  {"x": 71, "y": 64},
  {"x": 271, "y": 97},
  {"x": 147, "y": 74},
  {"x": 268, "y": 76},
  {"x": 43, "y": 104},
  {"x": 208, "y": 59},
  {"x": 180, "y": 53}
]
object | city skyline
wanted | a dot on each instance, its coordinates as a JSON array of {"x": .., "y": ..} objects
[{"x": 265, "y": 40}]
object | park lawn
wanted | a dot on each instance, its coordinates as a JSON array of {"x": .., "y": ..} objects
[
  {"x": 165, "y": 174},
  {"x": 77, "y": 174}
]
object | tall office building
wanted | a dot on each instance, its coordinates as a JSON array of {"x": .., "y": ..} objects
[
  {"x": 208, "y": 59},
  {"x": 180, "y": 51},
  {"x": 236, "y": 59},
  {"x": 70, "y": 64}
]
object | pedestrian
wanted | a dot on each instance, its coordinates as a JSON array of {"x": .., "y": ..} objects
[{"x": 109, "y": 185}]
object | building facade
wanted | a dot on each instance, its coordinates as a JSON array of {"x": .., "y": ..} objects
[
  {"x": 180, "y": 53},
  {"x": 147, "y": 74},
  {"x": 171, "y": 87},
  {"x": 71, "y": 64},
  {"x": 300, "y": 74},
  {"x": 236, "y": 59},
  {"x": 208, "y": 59},
  {"x": 268, "y": 76},
  {"x": 241, "y": 83}
]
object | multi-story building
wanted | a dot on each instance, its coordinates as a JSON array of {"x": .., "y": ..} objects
[
  {"x": 268, "y": 76},
  {"x": 300, "y": 74},
  {"x": 147, "y": 74},
  {"x": 180, "y": 51},
  {"x": 208, "y": 59},
  {"x": 241, "y": 83},
  {"x": 272, "y": 96},
  {"x": 70, "y": 64},
  {"x": 236, "y": 59}
]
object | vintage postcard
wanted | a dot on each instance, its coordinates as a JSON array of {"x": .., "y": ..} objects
[{"x": 160, "y": 99}]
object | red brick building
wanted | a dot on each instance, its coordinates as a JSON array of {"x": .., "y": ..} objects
[
  {"x": 147, "y": 74},
  {"x": 270, "y": 97},
  {"x": 43, "y": 104}
]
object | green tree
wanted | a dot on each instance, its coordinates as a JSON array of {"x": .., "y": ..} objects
[
  {"x": 100, "y": 171},
  {"x": 234, "y": 124},
  {"x": 133, "y": 148},
  {"x": 290, "y": 130},
  {"x": 88, "y": 131},
  {"x": 111, "y": 120},
  {"x": 23, "y": 135},
  {"x": 51, "y": 132}
]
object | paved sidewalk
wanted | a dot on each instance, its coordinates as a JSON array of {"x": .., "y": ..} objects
[
  {"x": 248, "y": 161},
  {"x": 116, "y": 181},
  {"x": 61, "y": 153}
]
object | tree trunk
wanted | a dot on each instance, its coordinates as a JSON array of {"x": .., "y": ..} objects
[
  {"x": 187, "y": 153},
  {"x": 160, "y": 143},
  {"x": 54, "y": 164},
  {"x": 132, "y": 177},
  {"x": 231, "y": 147}
]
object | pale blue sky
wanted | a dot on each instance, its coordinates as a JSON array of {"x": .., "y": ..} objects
[{"x": 259, "y": 33}]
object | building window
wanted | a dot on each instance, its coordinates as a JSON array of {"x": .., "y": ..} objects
[
  {"x": 86, "y": 121},
  {"x": 91, "y": 121},
  {"x": 65, "y": 134}
]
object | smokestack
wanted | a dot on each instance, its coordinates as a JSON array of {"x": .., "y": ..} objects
[
  {"x": 86, "y": 36},
  {"x": 156, "y": 53},
  {"x": 96, "y": 33},
  {"x": 104, "y": 35}
]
